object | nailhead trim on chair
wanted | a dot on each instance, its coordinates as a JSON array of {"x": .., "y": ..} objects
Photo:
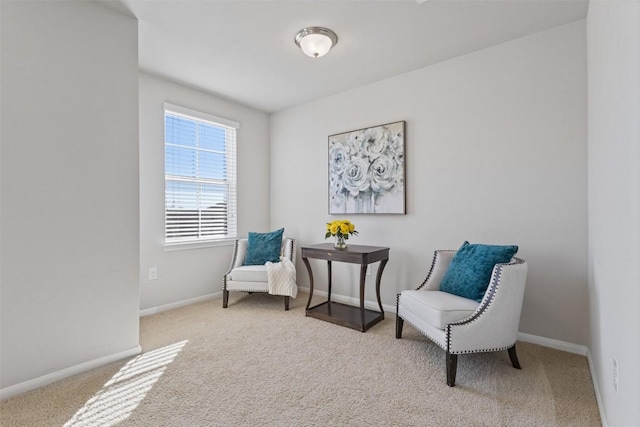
[
  {"x": 292, "y": 249},
  {"x": 433, "y": 340},
  {"x": 418, "y": 329},
  {"x": 484, "y": 305},
  {"x": 247, "y": 290},
  {"x": 436, "y": 254},
  {"x": 489, "y": 350},
  {"x": 233, "y": 262}
]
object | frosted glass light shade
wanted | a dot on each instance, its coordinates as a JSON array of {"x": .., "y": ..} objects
[
  {"x": 316, "y": 41},
  {"x": 316, "y": 45}
]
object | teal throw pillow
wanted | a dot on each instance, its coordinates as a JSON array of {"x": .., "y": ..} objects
[
  {"x": 470, "y": 270},
  {"x": 263, "y": 247}
]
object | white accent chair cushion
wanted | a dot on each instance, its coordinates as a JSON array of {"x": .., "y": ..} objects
[
  {"x": 438, "y": 308},
  {"x": 249, "y": 273}
]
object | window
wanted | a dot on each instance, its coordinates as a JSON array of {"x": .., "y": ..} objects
[{"x": 200, "y": 176}]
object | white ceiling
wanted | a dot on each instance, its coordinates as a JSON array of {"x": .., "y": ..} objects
[{"x": 244, "y": 50}]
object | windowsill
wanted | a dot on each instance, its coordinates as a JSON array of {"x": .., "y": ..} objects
[{"x": 183, "y": 246}]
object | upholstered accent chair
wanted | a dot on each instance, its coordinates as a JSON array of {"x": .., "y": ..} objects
[
  {"x": 251, "y": 278},
  {"x": 460, "y": 325}
]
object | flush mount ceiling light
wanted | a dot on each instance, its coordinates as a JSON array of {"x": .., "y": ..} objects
[{"x": 316, "y": 41}]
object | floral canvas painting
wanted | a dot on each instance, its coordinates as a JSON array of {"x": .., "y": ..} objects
[{"x": 366, "y": 171}]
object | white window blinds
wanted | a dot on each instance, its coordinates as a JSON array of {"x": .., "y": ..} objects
[{"x": 200, "y": 176}]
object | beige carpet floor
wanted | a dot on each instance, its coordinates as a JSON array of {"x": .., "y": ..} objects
[{"x": 254, "y": 364}]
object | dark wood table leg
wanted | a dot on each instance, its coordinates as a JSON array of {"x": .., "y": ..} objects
[
  {"x": 378, "y": 277},
  {"x": 363, "y": 278},
  {"x": 306, "y": 263},
  {"x": 329, "y": 285}
]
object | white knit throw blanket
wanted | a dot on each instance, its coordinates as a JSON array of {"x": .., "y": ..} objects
[{"x": 282, "y": 278}]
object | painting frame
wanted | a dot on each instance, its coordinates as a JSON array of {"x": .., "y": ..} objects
[{"x": 366, "y": 170}]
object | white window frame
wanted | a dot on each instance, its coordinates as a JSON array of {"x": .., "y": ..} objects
[{"x": 231, "y": 128}]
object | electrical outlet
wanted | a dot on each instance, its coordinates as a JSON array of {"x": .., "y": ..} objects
[
  {"x": 153, "y": 273},
  {"x": 615, "y": 375}
]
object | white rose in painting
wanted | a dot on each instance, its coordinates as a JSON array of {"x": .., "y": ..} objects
[
  {"x": 383, "y": 173},
  {"x": 353, "y": 142},
  {"x": 338, "y": 157},
  {"x": 355, "y": 177},
  {"x": 374, "y": 142}
]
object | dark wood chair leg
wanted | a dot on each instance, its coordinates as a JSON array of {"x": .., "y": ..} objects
[
  {"x": 399, "y": 325},
  {"x": 452, "y": 366},
  {"x": 514, "y": 357},
  {"x": 286, "y": 303},
  {"x": 225, "y": 298}
]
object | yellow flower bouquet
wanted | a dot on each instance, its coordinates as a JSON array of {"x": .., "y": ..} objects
[{"x": 340, "y": 229}]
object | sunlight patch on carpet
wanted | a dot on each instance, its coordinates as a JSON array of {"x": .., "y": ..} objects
[{"x": 122, "y": 394}]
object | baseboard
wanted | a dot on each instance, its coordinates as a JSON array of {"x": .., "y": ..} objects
[
  {"x": 177, "y": 304},
  {"x": 373, "y": 305},
  {"x": 555, "y": 344},
  {"x": 596, "y": 389},
  {"x": 44, "y": 380}
]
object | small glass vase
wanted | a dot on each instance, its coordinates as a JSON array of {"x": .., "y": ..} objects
[{"x": 340, "y": 243}]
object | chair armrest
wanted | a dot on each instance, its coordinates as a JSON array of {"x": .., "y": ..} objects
[
  {"x": 495, "y": 324},
  {"x": 289, "y": 249},
  {"x": 239, "y": 254},
  {"x": 439, "y": 266}
]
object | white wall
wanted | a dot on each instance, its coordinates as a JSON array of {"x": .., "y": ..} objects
[
  {"x": 193, "y": 273},
  {"x": 496, "y": 153},
  {"x": 614, "y": 204},
  {"x": 69, "y": 187}
]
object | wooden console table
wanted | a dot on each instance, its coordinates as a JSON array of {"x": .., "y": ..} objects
[{"x": 343, "y": 314}]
